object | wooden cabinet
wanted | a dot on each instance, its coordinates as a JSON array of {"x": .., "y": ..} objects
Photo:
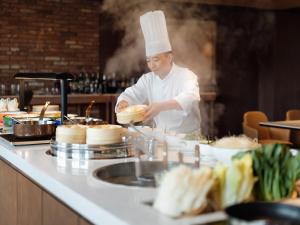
[
  {"x": 83, "y": 222},
  {"x": 22, "y": 202},
  {"x": 29, "y": 198},
  {"x": 56, "y": 213},
  {"x": 8, "y": 195}
]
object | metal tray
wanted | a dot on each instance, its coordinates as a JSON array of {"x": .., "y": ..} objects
[
  {"x": 86, "y": 151},
  {"x": 13, "y": 140}
]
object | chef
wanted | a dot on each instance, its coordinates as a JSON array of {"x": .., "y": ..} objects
[{"x": 170, "y": 91}]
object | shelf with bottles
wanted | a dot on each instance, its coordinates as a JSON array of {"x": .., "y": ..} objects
[{"x": 94, "y": 82}]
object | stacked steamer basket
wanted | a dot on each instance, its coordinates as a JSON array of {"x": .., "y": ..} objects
[
  {"x": 134, "y": 113},
  {"x": 104, "y": 134},
  {"x": 90, "y": 142},
  {"x": 74, "y": 134}
]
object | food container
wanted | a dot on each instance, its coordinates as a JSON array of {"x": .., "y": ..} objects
[
  {"x": 38, "y": 108},
  {"x": 34, "y": 128},
  {"x": 2, "y": 114},
  {"x": 50, "y": 114},
  {"x": 10, "y": 120},
  {"x": 224, "y": 155},
  {"x": 85, "y": 121},
  {"x": 225, "y": 148}
]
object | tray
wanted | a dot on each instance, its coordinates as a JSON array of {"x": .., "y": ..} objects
[
  {"x": 13, "y": 140},
  {"x": 86, "y": 151}
]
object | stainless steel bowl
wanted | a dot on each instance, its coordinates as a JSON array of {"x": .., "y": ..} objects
[{"x": 34, "y": 128}]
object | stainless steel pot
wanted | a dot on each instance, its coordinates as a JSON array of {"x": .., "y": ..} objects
[
  {"x": 35, "y": 127},
  {"x": 30, "y": 128}
]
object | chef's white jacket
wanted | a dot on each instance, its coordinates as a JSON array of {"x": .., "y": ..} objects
[{"x": 181, "y": 84}]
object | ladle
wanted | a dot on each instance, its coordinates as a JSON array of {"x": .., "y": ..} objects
[
  {"x": 69, "y": 119},
  {"x": 89, "y": 110},
  {"x": 42, "y": 114}
]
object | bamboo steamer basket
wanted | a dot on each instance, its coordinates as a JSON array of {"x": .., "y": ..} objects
[
  {"x": 104, "y": 134},
  {"x": 134, "y": 113},
  {"x": 75, "y": 134}
]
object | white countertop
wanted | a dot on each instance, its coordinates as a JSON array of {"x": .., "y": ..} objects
[{"x": 72, "y": 182}]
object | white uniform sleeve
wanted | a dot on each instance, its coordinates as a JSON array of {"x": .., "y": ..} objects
[
  {"x": 190, "y": 94},
  {"x": 136, "y": 94}
]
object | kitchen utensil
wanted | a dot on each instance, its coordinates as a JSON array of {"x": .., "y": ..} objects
[
  {"x": 89, "y": 109},
  {"x": 9, "y": 121},
  {"x": 16, "y": 120},
  {"x": 42, "y": 114},
  {"x": 197, "y": 156},
  {"x": 71, "y": 120},
  {"x": 270, "y": 213},
  {"x": 3, "y": 114},
  {"x": 87, "y": 119},
  {"x": 131, "y": 125}
]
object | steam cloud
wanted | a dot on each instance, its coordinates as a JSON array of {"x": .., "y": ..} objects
[{"x": 191, "y": 37}]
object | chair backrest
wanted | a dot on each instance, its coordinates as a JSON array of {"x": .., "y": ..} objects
[
  {"x": 253, "y": 118},
  {"x": 293, "y": 114}
]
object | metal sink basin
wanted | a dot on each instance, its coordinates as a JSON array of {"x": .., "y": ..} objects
[{"x": 141, "y": 174}]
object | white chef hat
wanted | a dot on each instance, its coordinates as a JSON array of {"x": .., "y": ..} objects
[{"x": 155, "y": 32}]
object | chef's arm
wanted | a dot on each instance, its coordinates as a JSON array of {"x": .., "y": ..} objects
[
  {"x": 189, "y": 96},
  {"x": 156, "y": 107},
  {"x": 169, "y": 105},
  {"x": 133, "y": 95}
]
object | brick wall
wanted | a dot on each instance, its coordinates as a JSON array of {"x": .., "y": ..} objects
[{"x": 48, "y": 36}]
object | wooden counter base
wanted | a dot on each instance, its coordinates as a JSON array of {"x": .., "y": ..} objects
[{"x": 24, "y": 202}]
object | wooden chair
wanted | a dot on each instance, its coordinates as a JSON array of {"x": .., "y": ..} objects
[
  {"x": 264, "y": 135},
  {"x": 294, "y": 114}
]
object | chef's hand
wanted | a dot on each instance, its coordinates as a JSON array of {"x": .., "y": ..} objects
[
  {"x": 122, "y": 105},
  {"x": 153, "y": 110},
  {"x": 157, "y": 107}
]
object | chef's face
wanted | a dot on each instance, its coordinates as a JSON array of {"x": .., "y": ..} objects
[{"x": 160, "y": 64}]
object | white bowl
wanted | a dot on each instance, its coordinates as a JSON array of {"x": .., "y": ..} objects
[
  {"x": 224, "y": 155},
  {"x": 186, "y": 146}
]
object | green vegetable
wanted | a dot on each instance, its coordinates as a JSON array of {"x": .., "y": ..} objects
[{"x": 277, "y": 171}]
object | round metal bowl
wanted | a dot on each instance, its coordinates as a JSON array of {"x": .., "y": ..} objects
[
  {"x": 34, "y": 128},
  {"x": 138, "y": 173}
]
